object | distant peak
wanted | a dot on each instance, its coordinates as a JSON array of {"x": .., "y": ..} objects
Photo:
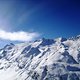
[
  {"x": 9, "y": 46},
  {"x": 60, "y": 39},
  {"x": 75, "y": 38},
  {"x": 78, "y": 36}
]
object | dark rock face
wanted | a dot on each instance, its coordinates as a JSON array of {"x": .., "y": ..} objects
[
  {"x": 73, "y": 76},
  {"x": 47, "y": 42}
]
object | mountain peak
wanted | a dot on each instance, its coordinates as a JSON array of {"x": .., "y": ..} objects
[
  {"x": 75, "y": 37},
  {"x": 47, "y": 41},
  {"x": 60, "y": 39},
  {"x": 9, "y": 46}
]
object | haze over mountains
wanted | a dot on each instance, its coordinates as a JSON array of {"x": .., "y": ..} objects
[{"x": 43, "y": 59}]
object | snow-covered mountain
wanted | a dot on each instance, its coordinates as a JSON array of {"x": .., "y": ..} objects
[{"x": 44, "y": 59}]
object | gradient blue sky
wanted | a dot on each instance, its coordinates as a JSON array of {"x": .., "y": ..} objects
[{"x": 50, "y": 18}]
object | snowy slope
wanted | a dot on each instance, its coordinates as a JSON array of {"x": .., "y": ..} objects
[{"x": 44, "y": 59}]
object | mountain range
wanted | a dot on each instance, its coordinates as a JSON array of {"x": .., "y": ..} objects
[{"x": 43, "y": 59}]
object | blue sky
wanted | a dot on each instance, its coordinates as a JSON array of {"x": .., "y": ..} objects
[{"x": 44, "y": 18}]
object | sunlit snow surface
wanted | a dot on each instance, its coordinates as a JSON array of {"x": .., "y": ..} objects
[{"x": 44, "y": 59}]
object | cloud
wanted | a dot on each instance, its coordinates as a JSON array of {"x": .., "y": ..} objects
[{"x": 18, "y": 36}]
